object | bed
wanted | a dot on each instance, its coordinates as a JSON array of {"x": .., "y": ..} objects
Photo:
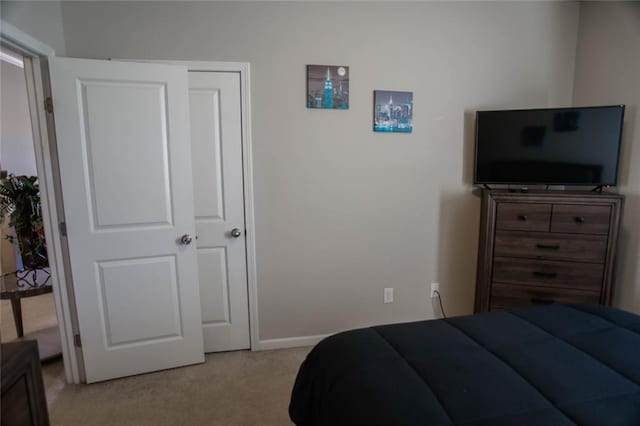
[{"x": 552, "y": 365}]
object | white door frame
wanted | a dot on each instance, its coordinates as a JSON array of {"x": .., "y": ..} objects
[
  {"x": 247, "y": 172},
  {"x": 46, "y": 164}
]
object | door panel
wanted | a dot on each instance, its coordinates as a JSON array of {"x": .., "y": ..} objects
[
  {"x": 120, "y": 194},
  {"x": 122, "y": 132},
  {"x": 216, "y": 137},
  {"x": 125, "y": 286},
  {"x": 214, "y": 293},
  {"x": 207, "y": 153}
]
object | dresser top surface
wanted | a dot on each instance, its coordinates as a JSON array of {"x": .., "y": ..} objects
[{"x": 552, "y": 195}]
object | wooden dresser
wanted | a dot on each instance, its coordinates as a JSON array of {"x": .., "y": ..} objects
[
  {"x": 546, "y": 247},
  {"x": 23, "y": 401}
]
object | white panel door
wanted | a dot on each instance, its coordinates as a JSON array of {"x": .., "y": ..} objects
[
  {"x": 216, "y": 137},
  {"x": 122, "y": 132}
]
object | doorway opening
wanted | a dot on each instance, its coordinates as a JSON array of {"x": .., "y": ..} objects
[{"x": 27, "y": 307}]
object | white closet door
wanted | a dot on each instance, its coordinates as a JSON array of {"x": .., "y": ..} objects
[
  {"x": 122, "y": 133},
  {"x": 216, "y": 137}
]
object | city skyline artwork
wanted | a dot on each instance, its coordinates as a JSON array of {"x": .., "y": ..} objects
[
  {"x": 327, "y": 87},
  {"x": 392, "y": 111}
]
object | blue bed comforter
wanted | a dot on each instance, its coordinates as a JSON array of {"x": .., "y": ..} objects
[{"x": 553, "y": 365}]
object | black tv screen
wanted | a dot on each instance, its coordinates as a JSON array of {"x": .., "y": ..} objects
[{"x": 559, "y": 146}]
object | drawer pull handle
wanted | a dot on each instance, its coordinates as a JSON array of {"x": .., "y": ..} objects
[
  {"x": 541, "y": 301},
  {"x": 522, "y": 217},
  {"x": 548, "y": 246},
  {"x": 545, "y": 274},
  {"x": 579, "y": 219}
]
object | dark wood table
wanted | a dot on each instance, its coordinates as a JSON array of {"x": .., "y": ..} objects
[{"x": 15, "y": 286}]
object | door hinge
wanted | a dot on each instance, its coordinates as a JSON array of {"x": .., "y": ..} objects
[
  {"x": 77, "y": 341},
  {"x": 63, "y": 229},
  {"x": 48, "y": 105}
]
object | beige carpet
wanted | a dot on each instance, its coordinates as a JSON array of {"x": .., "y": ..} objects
[{"x": 232, "y": 388}]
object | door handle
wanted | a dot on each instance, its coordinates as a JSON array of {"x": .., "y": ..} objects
[
  {"x": 545, "y": 274},
  {"x": 236, "y": 233},
  {"x": 186, "y": 239},
  {"x": 542, "y": 301},
  {"x": 548, "y": 246}
]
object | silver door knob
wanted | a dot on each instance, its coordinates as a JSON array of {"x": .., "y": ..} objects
[
  {"x": 235, "y": 233},
  {"x": 186, "y": 239}
]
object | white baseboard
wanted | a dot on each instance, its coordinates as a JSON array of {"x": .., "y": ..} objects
[{"x": 290, "y": 342}]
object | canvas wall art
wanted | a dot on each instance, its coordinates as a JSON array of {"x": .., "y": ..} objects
[
  {"x": 327, "y": 87},
  {"x": 393, "y": 111}
]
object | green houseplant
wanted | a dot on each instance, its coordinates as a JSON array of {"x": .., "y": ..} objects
[{"x": 20, "y": 200}]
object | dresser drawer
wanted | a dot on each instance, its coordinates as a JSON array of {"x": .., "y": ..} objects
[
  {"x": 547, "y": 245},
  {"x": 505, "y": 297},
  {"x": 580, "y": 219},
  {"x": 549, "y": 273},
  {"x": 523, "y": 216}
]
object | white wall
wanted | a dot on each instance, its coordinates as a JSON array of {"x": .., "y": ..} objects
[
  {"x": 17, "y": 154},
  {"x": 40, "y": 19},
  {"x": 342, "y": 212},
  {"x": 608, "y": 72}
]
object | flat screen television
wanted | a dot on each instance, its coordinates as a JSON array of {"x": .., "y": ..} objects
[{"x": 552, "y": 146}]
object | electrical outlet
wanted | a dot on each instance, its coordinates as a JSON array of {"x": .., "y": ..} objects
[
  {"x": 388, "y": 295},
  {"x": 434, "y": 287}
]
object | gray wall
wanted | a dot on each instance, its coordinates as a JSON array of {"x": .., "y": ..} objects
[
  {"x": 40, "y": 19},
  {"x": 16, "y": 143},
  {"x": 17, "y": 154},
  {"x": 608, "y": 72},
  {"x": 342, "y": 212}
]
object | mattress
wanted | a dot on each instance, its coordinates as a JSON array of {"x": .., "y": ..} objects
[{"x": 552, "y": 365}]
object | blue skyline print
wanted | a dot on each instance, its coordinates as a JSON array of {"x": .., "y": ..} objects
[
  {"x": 393, "y": 111},
  {"x": 327, "y": 87}
]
